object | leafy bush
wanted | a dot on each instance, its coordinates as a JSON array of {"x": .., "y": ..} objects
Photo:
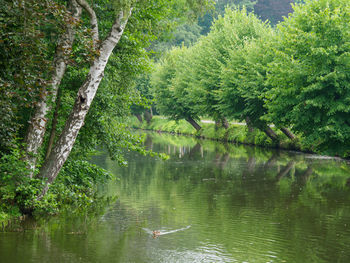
[
  {"x": 12, "y": 175},
  {"x": 76, "y": 186}
]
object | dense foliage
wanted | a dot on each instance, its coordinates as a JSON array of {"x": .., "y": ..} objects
[
  {"x": 38, "y": 40},
  {"x": 76, "y": 187},
  {"x": 170, "y": 98},
  {"x": 27, "y": 29},
  {"x": 294, "y": 76},
  {"x": 310, "y": 75},
  {"x": 243, "y": 79},
  {"x": 189, "y": 33}
]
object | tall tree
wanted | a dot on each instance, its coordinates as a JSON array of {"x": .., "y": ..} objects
[
  {"x": 37, "y": 124},
  {"x": 228, "y": 34},
  {"x": 170, "y": 96},
  {"x": 243, "y": 79},
  {"x": 310, "y": 75}
]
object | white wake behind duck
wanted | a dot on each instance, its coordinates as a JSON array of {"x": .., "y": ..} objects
[{"x": 157, "y": 233}]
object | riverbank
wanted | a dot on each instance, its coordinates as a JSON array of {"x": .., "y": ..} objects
[
  {"x": 236, "y": 133},
  {"x": 77, "y": 189}
]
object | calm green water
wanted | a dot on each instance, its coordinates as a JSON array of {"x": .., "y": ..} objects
[{"x": 210, "y": 203}]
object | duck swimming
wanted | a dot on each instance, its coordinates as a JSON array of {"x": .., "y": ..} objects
[{"x": 155, "y": 233}]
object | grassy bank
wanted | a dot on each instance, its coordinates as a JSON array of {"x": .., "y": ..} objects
[{"x": 235, "y": 133}]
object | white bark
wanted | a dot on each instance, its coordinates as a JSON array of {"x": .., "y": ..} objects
[
  {"x": 85, "y": 96},
  {"x": 37, "y": 125}
]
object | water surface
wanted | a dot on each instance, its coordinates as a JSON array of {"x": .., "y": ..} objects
[{"x": 209, "y": 202}]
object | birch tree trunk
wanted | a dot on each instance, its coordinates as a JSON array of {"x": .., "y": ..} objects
[
  {"x": 85, "y": 96},
  {"x": 37, "y": 125}
]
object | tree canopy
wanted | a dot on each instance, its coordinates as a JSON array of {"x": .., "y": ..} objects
[
  {"x": 310, "y": 74},
  {"x": 293, "y": 77}
]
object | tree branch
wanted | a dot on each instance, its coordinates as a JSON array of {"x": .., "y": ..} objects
[
  {"x": 118, "y": 27},
  {"x": 93, "y": 21}
]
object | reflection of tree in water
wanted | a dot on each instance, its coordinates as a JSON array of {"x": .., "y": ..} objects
[
  {"x": 282, "y": 178},
  {"x": 285, "y": 170},
  {"x": 273, "y": 167},
  {"x": 221, "y": 160},
  {"x": 231, "y": 195},
  {"x": 148, "y": 143},
  {"x": 196, "y": 151},
  {"x": 219, "y": 185},
  {"x": 272, "y": 160}
]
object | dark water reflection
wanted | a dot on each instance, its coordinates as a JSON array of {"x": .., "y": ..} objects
[{"x": 231, "y": 203}]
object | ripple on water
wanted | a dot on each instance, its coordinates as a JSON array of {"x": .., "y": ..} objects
[{"x": 205, "y": 253}]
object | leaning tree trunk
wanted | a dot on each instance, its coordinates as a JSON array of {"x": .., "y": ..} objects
[
  {"x": 221, "y": 122},
  {"x": 37, "y": 125},
  {"x": 271, "y": 134},
  {"x": 85, "y": 96},
  {"x": 193, "y": 123},
  {"x": 288, "y": 133},
  {"x": 217, "y": 124}
]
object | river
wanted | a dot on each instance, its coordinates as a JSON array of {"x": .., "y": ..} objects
[{"x": 209, "y": 202}]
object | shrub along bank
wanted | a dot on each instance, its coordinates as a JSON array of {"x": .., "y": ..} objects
[
  {"x": 234, "y": 133},
  {"x": 76, "y": 189}
]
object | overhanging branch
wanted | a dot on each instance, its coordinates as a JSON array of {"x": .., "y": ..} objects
[{"x": 93, "y": 21}]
